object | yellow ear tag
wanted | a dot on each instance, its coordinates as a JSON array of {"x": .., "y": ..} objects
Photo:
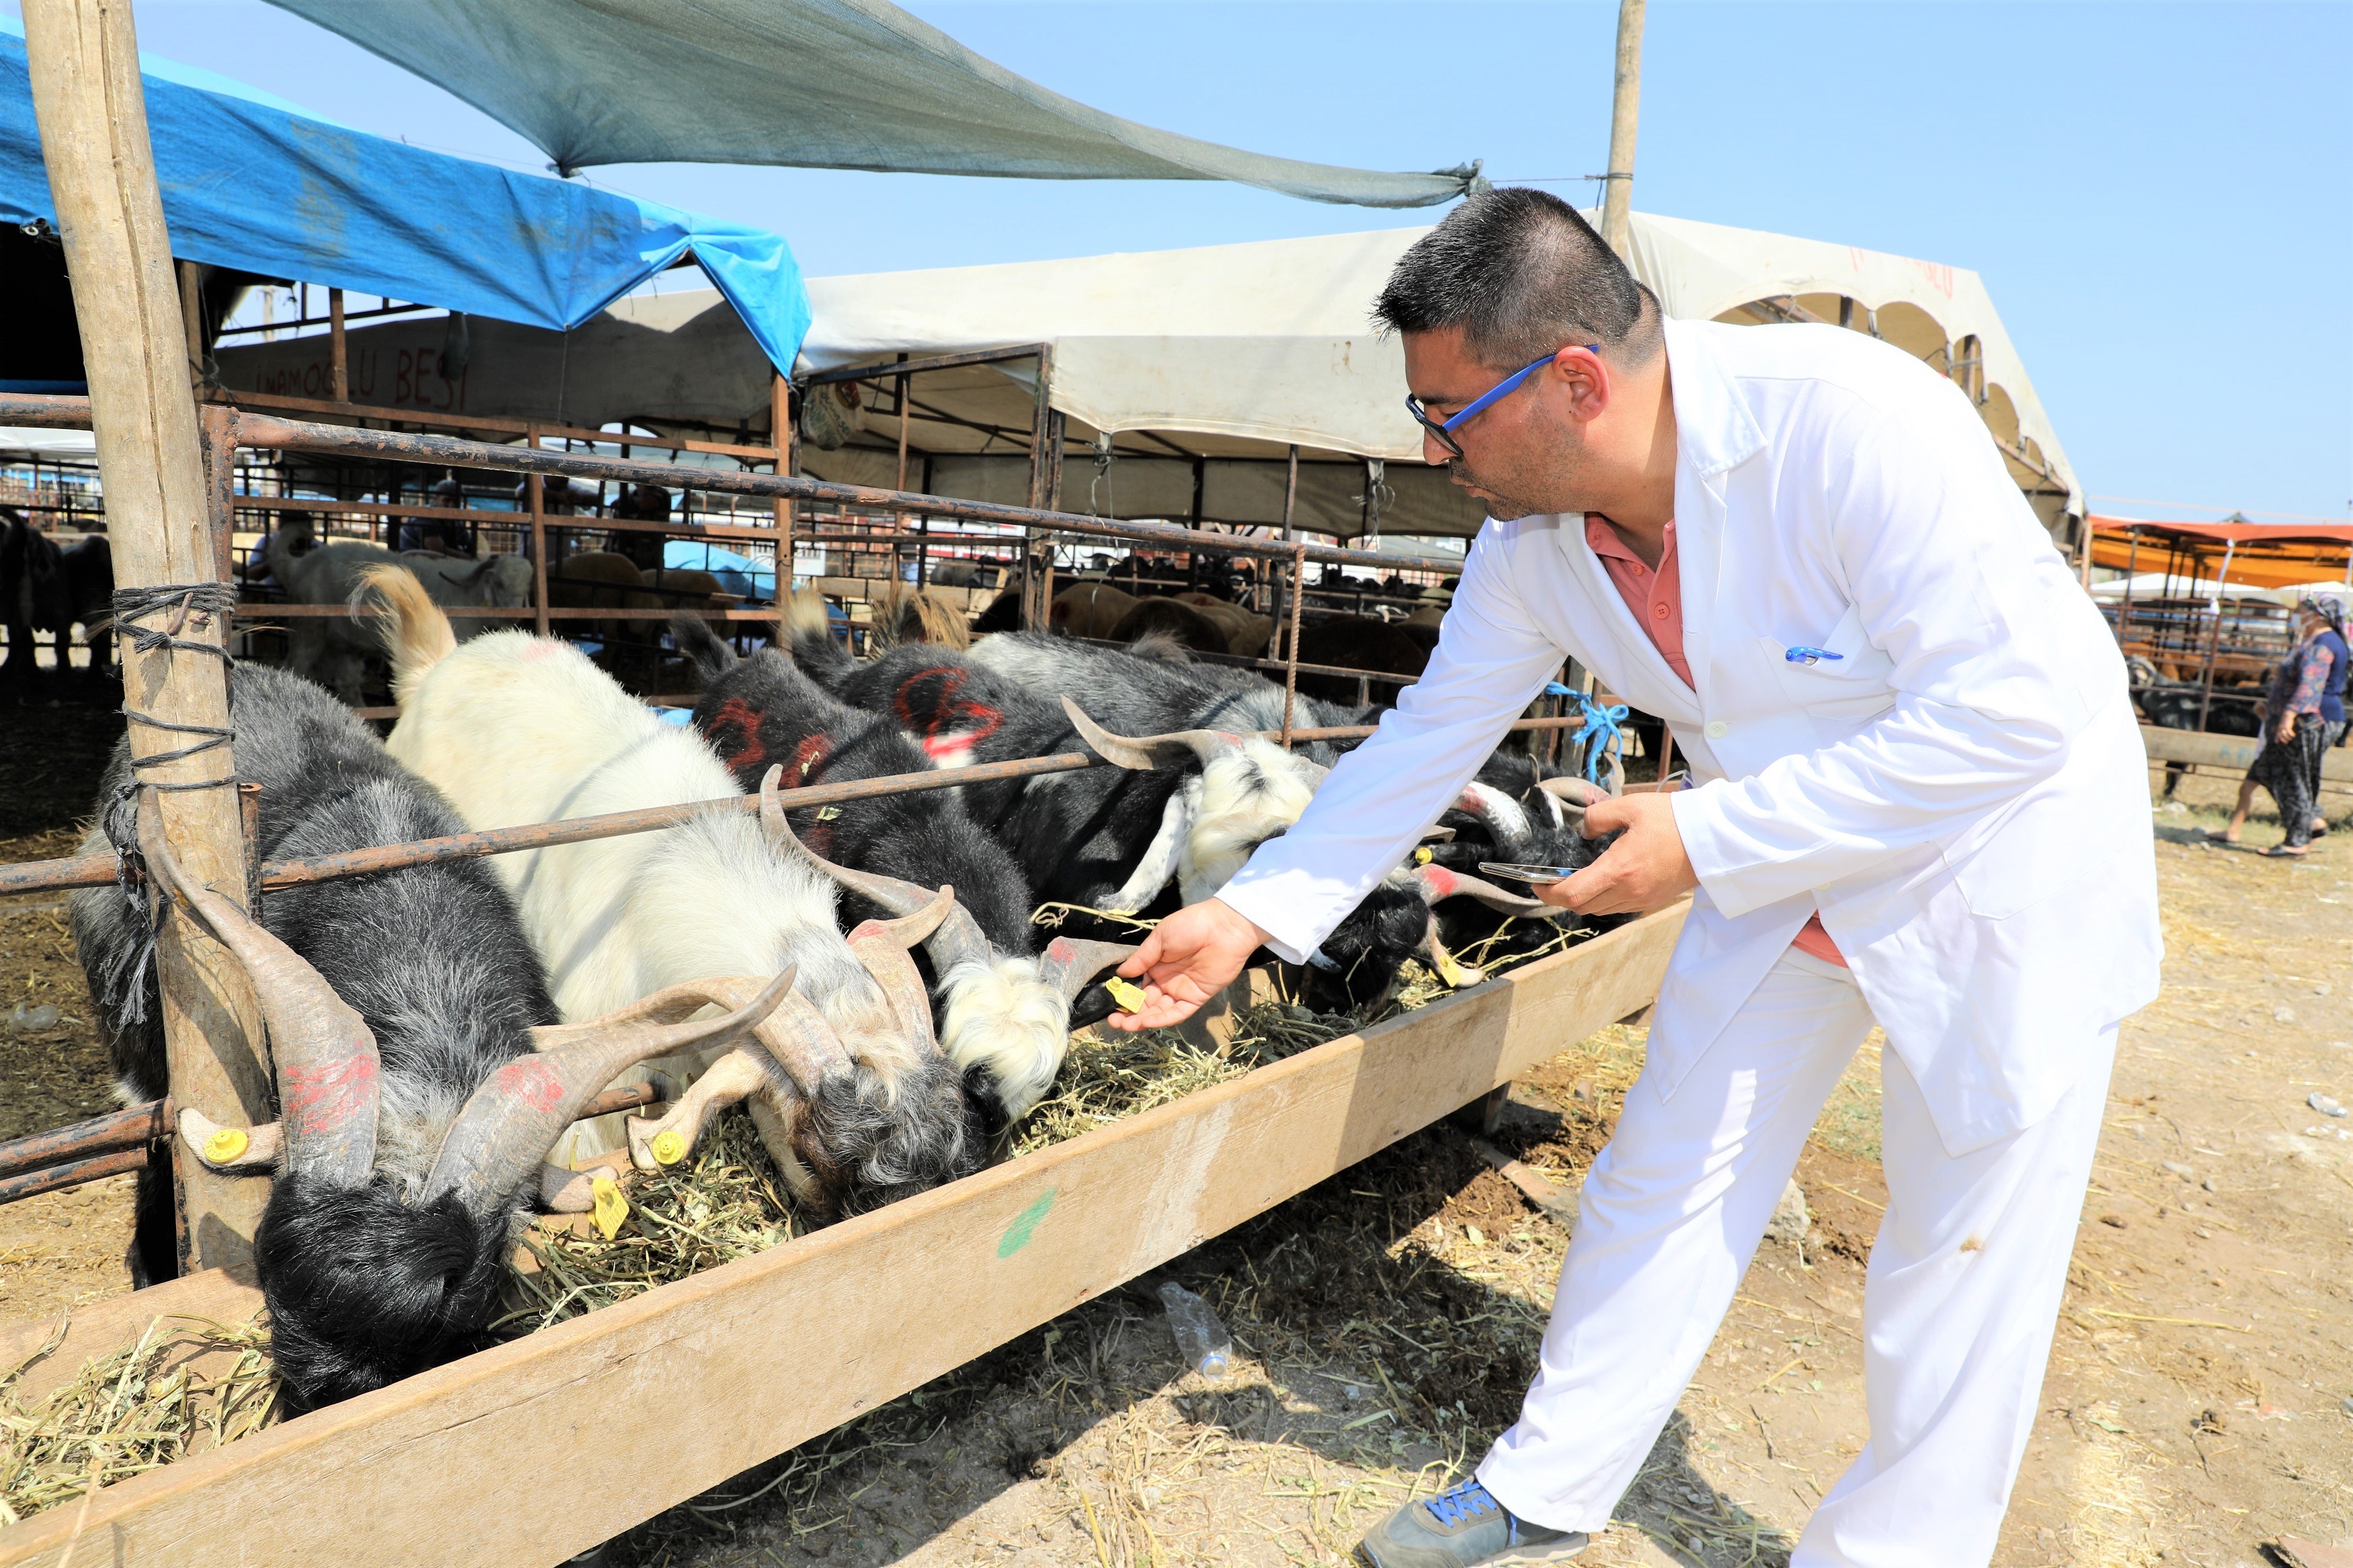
[
  {"x": 1447, "y": 970},
  {"x": 1422, "y": 856},
  {"x": 609, "y": 1207},
  {"x": 1128, "y": 995},
  {"x": 669, "y": 1147},
  {"x": 827, "y": 813},
  {"x": 227, "y": 1145}
]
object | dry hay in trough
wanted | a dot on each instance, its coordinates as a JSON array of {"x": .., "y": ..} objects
[{"x": 160, "y": 1400}]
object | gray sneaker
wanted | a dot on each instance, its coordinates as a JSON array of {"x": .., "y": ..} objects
[{"x": 1465, "y": 1528}]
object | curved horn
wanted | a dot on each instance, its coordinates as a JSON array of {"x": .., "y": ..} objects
[
  {"x": 1070, "y": 965},
  {"x": 1435, "y": 883},
  {"x": 329, "y": 1076},
  {"x": 1146, "y": 753},
  {"x": 959, "y": 937},
  {"x": 881, "y": 948},
  {"x": 511, "y": 1121},
  {"x": 1504, "y": 818},
  {"x": 1574, "y": 791}
]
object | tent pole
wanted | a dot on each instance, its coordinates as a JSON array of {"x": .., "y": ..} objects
[
  {"x": 2123, "y": 616},
  {"x": 1044, "y": 483},
  {"x": 1618, "y": 185},
  {"x": 92, "y": 116},
  {"x": 2214, "y": 639},
  {"x": 786, "y": 438},
  {"x": 339, "y": 359},
  {"x": 537, "y": 498}
]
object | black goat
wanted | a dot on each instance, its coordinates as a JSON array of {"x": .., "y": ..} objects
[
  {"x": 1182, "y": 812},
  {"x": 1006, "y": 1010},
  {"x": 421, "y": 1078},
  {"x": 45, "y": 587}
]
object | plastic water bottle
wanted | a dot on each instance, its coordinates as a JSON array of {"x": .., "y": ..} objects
[{"x": 1201, "y": 1340}]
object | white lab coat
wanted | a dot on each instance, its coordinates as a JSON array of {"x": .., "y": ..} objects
[{"x": 1963, "y": 796}]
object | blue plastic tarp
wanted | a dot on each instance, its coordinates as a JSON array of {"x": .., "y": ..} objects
[
  {"x": 252, "y": 182},
  {"x": 745, "y": 577}
]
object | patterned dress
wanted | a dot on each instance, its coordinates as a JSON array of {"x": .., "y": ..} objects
[{"x": 2290, "y": 769}]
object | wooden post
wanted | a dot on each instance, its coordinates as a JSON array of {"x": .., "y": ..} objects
[
  {"x": 1618, "y": 186},
  {"x": 338, "y": 358},
  {"x": 219, "y": 427},
  {"x": 84, "y": 58},
  {"x": 192, "y": 314},
  {"x": 536, "y": 497}
]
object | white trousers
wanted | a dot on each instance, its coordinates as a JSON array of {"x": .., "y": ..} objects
[{"x": 1959, "y": 1302}]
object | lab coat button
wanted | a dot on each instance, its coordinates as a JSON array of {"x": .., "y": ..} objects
[{"x": 1717, "y": 729}]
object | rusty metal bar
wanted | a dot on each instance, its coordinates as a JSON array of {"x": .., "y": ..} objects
[
  {"x": 98, "y": 870},
  {"x": 886, "y": 369},
  {"x": 1296, "y": 585},
  {"x": 132, "y": 1129},
  {"x": 109, "y": 1145},
  {"x": 449, "y": 451},
  {"x": 35, "y": 1182}
]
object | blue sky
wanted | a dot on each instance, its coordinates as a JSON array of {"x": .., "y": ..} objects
[{"x": 2159, "y": 196}]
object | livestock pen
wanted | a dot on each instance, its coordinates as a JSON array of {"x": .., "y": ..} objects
[{"x": 1019, "y": 1242}]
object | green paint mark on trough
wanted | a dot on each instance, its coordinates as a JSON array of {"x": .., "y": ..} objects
[{"x": 1016, "y": 1235}]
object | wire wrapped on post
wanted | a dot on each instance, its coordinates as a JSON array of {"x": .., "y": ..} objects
[
  {"x": 1600, "y": 725},
  {"x": 126, "y": 983}
]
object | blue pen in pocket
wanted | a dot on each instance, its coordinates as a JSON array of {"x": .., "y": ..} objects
[{"x": 1810, "y": 655}]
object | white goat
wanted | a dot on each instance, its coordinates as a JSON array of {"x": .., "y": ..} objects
[{"x": 515, "y": 729}]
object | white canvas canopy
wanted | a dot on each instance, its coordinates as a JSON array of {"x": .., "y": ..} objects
[
  {"x": 1241, "y": 349},
  {"x": 1185, "y": 375}
]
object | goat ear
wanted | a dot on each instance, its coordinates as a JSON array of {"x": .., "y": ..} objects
[
  {"x": 329, "y": 1076},
  {"x": 511, "y": 1121}
]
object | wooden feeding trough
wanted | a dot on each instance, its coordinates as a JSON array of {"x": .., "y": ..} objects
[{"x": 639, "y": 1405}]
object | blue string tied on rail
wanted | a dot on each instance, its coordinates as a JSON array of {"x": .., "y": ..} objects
[{"x": 1601, "y": 722}]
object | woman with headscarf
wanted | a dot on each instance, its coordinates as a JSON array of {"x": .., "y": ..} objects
[{"x": 2295, "y": 732}]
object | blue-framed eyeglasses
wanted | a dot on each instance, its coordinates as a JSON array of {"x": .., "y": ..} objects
[{"x": 1445, "y": 429}]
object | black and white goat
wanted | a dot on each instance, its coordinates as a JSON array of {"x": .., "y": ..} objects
[
  {"x": 1183, "y": 812},
  {"x": 515, "y": 729},
  {"x": 421, "y": 1076},
  {"x": 1006, "y": 1012}
]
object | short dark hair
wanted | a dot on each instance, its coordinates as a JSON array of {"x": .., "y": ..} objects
[{"x": 1521, "y": 274}]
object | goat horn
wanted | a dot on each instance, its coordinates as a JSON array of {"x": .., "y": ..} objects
[
  {"x": 1069, "y": 964},
  {"x": 732, "y": 1077},
  {"x": 1436, "y": 884},
  {"x": 959, "y": 937},
  {"x": 1504, "y": 818},
  {"x": 881, "y": 946},
  {"x": 1575, "y": 791},
  {"x": 329, "y": 1076},
  {"x": 1453, "y": 970},
  {"x": 1146, "y": 753},
  {"x": 511, "y": 1121}
]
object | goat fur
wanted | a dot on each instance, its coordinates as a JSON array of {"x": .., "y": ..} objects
[
  {"x": 1001, "y": 1021},
  {"x": 363, "y": 1286},
  {"x": 516, "y": 729}
]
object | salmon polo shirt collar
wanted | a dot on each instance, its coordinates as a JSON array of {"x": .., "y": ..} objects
[{"x": 1656, "y": 599}]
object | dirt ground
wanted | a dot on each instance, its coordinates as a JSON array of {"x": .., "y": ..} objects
[{"x": 2200, "y": 1401}]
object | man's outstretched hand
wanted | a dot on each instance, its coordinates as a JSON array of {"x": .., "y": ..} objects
[
  {"x": 1194, "y": 954},
  {"x": 1643, "y": 871}
]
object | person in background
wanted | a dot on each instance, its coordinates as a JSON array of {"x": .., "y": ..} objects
[
  {"x": 1919, "y": 799},
  {"x": 2295, "y": 732},
  {"x": 2332, "y": 696}
]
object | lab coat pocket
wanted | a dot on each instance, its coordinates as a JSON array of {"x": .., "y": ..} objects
[{"x": 1841, "y": 693}]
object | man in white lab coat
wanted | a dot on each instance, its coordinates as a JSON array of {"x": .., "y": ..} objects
[{"x": 1918, "y": 798}]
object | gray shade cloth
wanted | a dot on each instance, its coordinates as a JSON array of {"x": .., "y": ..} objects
[{"x": 825, "y": 84}]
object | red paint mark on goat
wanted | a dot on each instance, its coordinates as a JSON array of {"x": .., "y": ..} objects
[
  {"x": 531, "y": 1081},
  {"x": 316, "y": 1100},
  {"x": 809, "y": 757},
  {"x": 1060, "y": 951},
  {"x": 944, "y": 717},
  {"x": 1438, "y": 879},
  {"x": 734, "y": 733}
]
